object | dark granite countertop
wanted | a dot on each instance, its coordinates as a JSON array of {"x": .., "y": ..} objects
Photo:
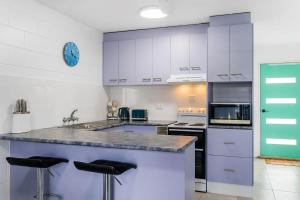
[{"x": 87, "y": 137}]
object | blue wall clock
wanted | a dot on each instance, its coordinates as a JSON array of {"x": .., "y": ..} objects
[{"x": 71, "y": 54}]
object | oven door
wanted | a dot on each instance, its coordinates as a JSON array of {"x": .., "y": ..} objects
[{"x": 200, "y": 164}]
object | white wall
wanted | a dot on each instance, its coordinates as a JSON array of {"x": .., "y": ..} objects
[
  {"x": 161, "y": 101},
  {"x": 32, "y": 67}
]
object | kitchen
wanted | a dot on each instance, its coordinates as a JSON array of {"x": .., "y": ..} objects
[{"x": 194, "y": 78}]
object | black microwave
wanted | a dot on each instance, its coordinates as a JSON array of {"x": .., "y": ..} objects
[{"x": 237, "y": 114}]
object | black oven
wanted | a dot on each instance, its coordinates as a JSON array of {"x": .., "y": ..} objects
[
  {"x": 200, "y": 153},
  {"x": 238, "y": 114}
]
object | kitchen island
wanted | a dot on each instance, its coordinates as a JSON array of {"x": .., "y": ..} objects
[{"x": 165, "y": 164}]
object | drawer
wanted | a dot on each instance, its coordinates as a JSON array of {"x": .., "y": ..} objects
[
  {"x": 230, "y": 142},
  {"x": 232, "y": 170}
]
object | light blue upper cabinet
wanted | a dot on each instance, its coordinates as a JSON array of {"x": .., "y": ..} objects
[
  {"x": 218, "y": 53},
  {"x": 127, "y": 62},
  {"x": 110, "y": 63},
  {"x": 241, "y": 52},
  {"x": 230, "y": 53},
  {"x": 149, "y": 57},
  {"x": 180, "y": 56},
  {"x": 144, "y": 61},
  {"x": 198, "y": 53},
  {"x": 161, "y": 60}
]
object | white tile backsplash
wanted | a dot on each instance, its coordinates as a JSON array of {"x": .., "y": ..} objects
[
  {"x": 32, "y": 37},
  {"x": 11, "y": 36}
]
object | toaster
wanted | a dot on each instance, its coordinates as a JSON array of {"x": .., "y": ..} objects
[{"x": 139, "y": 114}]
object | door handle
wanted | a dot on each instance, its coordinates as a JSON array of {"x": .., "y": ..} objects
[
  {"x": 157, "y": 79},
  {"x": 238, "y": 74},
  {"x": 264, "y": 111},
  {"x": 146, "y": 80},
  {"x": 196, "y": 68},
  {"x": 183, "y": 68}
]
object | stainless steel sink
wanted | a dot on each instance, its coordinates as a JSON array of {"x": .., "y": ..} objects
[{"x": 91, "y": 125}]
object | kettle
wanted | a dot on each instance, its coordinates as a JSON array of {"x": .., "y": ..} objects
[{"x": 124, "y": 113}]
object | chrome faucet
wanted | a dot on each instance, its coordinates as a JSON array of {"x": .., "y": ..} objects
[{"x": 72, "y": 118}]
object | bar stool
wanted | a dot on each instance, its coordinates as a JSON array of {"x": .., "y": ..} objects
[
  {"x": 40, "y": 163},
  {"x": 109, "y": 169}
]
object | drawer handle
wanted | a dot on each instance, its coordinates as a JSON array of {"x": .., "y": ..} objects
[
  {"x": 113, "y": 80},
  {"x": 146, "y": 79},
  {"x": 157, "y": 79},
  {"x": 229, "y": 170},
  {"x": 229, "y": 142},
  {"x": 183, "y": 68},
  {"x": 196, "y": 68}
]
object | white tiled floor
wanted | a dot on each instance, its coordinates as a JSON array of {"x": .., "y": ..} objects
[{"x": 271, "y": 182}]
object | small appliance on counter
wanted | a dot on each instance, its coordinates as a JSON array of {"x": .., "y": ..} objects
[
  {"x": 139, "y": 115},
  {"x": 112, "y": 110},
  {"x": 124, "y": 113},
  {"x": 21, "y": 121},
  {"x": 230, "y": 114},
  {"x": 192, "y": 122}
]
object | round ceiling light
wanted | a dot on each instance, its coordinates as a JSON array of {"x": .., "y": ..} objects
[{"x": 153, "y": 12}]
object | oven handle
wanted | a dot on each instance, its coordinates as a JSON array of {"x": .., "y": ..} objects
[
  {"x": 186, "y": 130},
  {"x": 201, "y": 150}
]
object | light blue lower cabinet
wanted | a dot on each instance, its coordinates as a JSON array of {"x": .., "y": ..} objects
[{"x": 231, "y": 170}]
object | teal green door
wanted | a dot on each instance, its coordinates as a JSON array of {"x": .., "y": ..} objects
[{"x": 280, "y": 110}]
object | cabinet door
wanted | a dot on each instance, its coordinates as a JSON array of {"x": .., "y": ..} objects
[
  {"x": 161, "y": 60},
  {"x": 144, "y": 61},
  {"x": 241, "y": 52},
  {"x": 218, "y": 54},
  {"x": 110, "y": 63},
  {"x": 127, "y": 62},
  {"x": 198, "y": 53},
  {"x": 180, "y": 56}
]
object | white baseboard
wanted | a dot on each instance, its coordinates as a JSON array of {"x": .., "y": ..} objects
[{"x": 230, "y": 189}]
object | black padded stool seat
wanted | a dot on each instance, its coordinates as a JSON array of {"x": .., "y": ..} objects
[
  {"x": 41, "y": 164},
  {"x": 36, "y": 161},
  {"x": 105, "y": 167}
]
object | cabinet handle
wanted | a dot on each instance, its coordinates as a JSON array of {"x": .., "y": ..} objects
[
  {"x": 222, "y": 75},
  {"x": 196, "y": 68},
  {"x": 146, "y": 79},
  {"x": 186, "y": 130},
  {"x": 157, "y": 79},
  {"x": 123, "y": 80},
  {"x": 229, "y": 170},
  {"x": 229, "y": 142},
  {"x": 238, "y": 74},
  {"x": 183, "y": 68},
  {"x": 113, "y": 80}
]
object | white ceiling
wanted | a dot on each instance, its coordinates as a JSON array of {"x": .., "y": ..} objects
[{"x": 277, "y": 19}]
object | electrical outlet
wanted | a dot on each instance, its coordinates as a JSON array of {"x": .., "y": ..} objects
[
  {"x": 192, "y": 100},
  {"x": 159, "y": 107}
]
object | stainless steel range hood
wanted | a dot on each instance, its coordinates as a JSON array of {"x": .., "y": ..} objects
[{"x": 187, "y": 78}]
